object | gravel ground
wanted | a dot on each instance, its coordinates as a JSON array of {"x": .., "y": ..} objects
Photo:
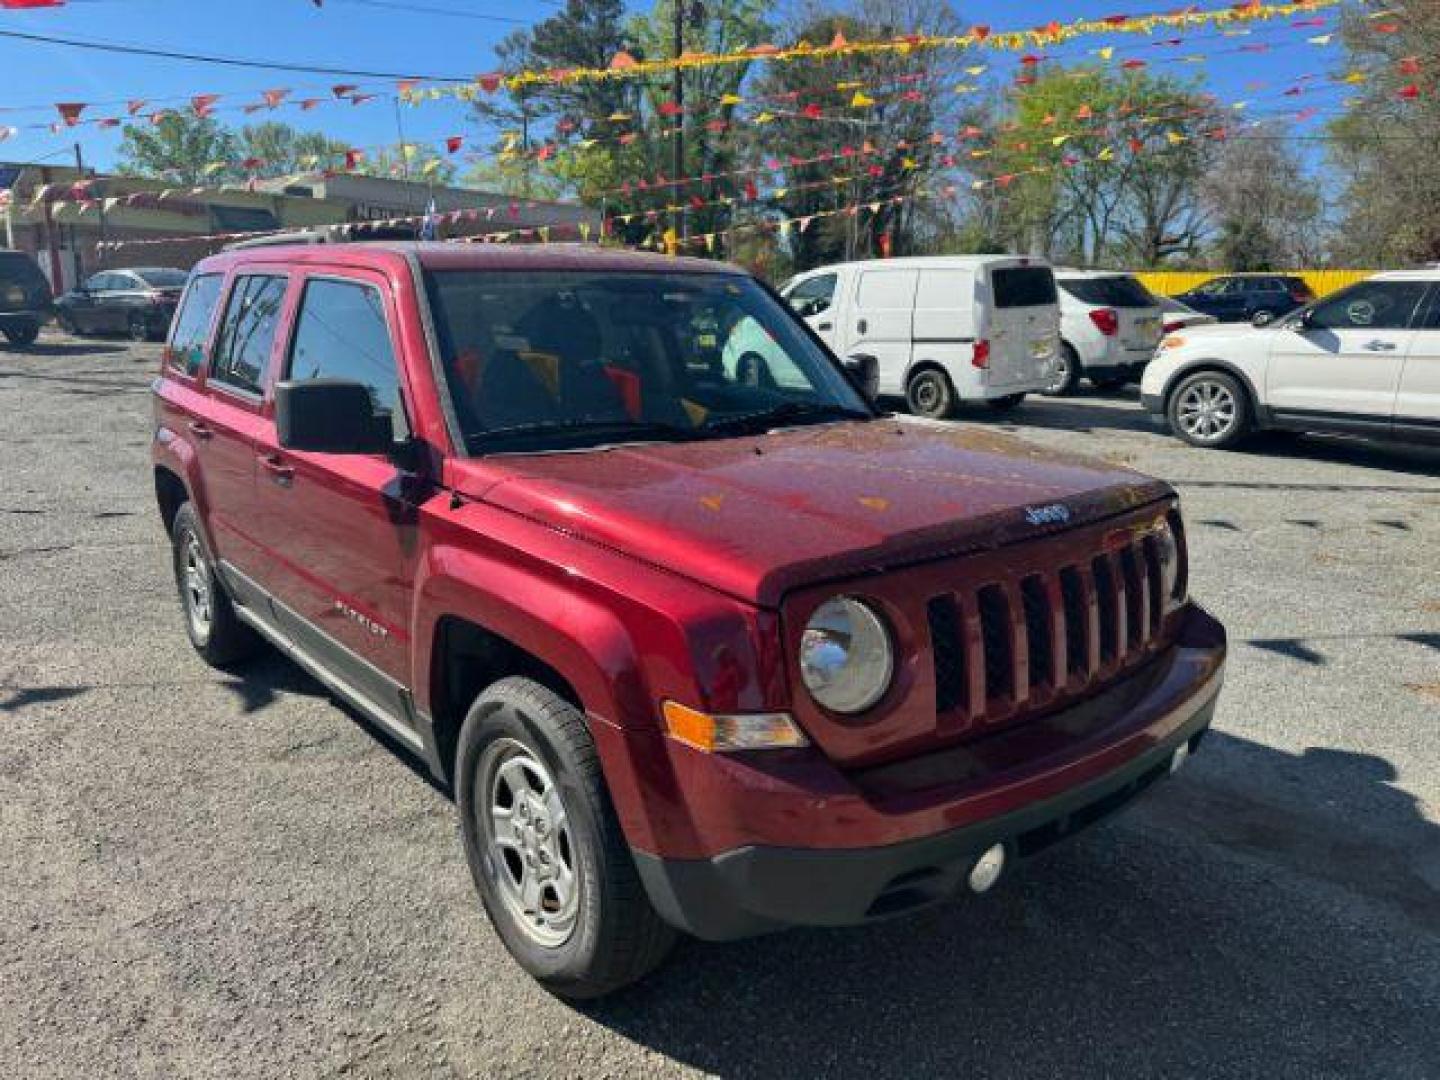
[{"x": 230, "y": 876}]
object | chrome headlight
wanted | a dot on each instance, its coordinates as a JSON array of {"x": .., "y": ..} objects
[
  {"x": 846, "y": 658},
  {"x": 1172, "y": 582}
]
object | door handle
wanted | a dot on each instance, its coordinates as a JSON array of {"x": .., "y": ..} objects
[
  {"x": 862, "y": 326},
  {"x": 826, "y": 326},
  {"x": 199, "y": 430},
  {"x": 282, "y": 474},
  {"x": 1380, "y": 346}
]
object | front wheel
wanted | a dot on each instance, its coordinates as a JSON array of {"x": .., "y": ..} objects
[
  {"x": 22, "y": 335},
  {"x": 1262, "y": 318},
  {"x": 931, "y": 394},
  {"x": 545, "y": 848},
  {"x": 1210, "y": 410}
]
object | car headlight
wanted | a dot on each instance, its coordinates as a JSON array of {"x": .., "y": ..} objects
[
  {"x": 1172, "y": 575},
  {"x": 846, "y": 658}
]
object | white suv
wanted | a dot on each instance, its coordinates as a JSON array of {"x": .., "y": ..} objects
[
  {"x": 1109, "y": 327},
  {"x": 1363, "y": 361}
]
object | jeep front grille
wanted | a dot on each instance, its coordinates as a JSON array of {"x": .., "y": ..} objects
[{"x": 1003, "y": 648}]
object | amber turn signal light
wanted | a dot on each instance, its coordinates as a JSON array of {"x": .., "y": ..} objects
[{"x": 721, "y": 734}]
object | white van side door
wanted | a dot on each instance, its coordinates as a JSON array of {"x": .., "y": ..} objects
[{"x": 881, "y": 322}]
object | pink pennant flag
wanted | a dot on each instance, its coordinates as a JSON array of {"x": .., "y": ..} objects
[
  {"x": 204, "y": 104},
  {"x": 70, "y": 112}
]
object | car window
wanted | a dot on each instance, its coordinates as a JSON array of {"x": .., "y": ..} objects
[
  {"x": 341, "y": 333},
  {"x": 248, "y": 332},
  {"x": 1023, "y": 286},
  {"x": 1216, "y": 287},
  {"x": 98, "y": 282},
  {"x": 1430, "y": 319},
  {"x": 162, "y": 279},
  {"x": 813, "y": 295},
  {"x": 1371, "y": 305},
  {"x": 1121, "y": 291},
  {"x": 186, "y": 351}
]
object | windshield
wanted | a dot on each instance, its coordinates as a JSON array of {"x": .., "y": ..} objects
[
  {"x": 162, "y": 279},
  {"x": 1116, "y": 292},
  {"x": 538, "y": 361}
]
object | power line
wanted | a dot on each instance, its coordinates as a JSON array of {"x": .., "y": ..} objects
[{"x": 228, "y": 61}]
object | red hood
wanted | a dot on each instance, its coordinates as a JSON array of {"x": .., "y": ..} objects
[{"x": 755, "y": 517}]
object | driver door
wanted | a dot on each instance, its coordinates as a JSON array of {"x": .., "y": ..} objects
[
  {"x": 814, "y": 301},
  {"x": 1342, "y": 364}
]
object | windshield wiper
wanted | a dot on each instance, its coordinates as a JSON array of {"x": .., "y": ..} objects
[
  {"x": 610, "y": 427},
  {"x": 789, "y": 412}
]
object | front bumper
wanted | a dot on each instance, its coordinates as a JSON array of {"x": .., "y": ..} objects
[{"x": 1134, "y": 729}]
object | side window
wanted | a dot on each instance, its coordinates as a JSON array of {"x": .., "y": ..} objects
[
  {"x": 99, "y": 282},
  {"x": 1371, "y": 305},
  {"x": 1216, "y": 287},
  {"x": 186, "y": 351},
  {"x": 813, "y": 296},
  {"x": 246, "y": 336},
  {"x": 1431, "y": 319},
  {"x": 341, "y": 333}
]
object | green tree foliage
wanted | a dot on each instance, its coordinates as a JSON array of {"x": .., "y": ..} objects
[
  {"x": 1384, "y": 143},
  {"x": 912, "y": 98},
  {"x": 178, "y": 147},
  {"x": 415, "y": 162},
  {"x": 280, "y": 150},
  {"x": 1103, "y": 165}
]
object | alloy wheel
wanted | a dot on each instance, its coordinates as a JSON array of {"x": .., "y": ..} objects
[
  {"x": 1207, "y": 411},
  {"x": 529, "y": 843},
  {"x": 196, "y": 587}
]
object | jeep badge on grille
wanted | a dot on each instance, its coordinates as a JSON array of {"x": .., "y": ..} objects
[{"x": 1054, "y": 514}]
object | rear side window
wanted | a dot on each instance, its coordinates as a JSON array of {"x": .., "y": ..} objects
[
  {"x": 17, "y": 268},
  {"x": 341, "y": 333},
  {"x": 186, "y": 351},
  {"x": 1116, "y": 292},
  {"x": 1023, "y": 286},
  {"x": 248, "y": 332}
]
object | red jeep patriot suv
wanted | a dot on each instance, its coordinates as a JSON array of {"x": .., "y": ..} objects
[{"x": 699, "y": 639}]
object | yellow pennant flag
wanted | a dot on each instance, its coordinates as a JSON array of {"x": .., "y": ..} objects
[
  {"x": 1107, "y": 154},
  {"x": 978, "y": 69},
  {"x": 1059, "y": 140},
  {"x": 1107, "y": 53},
  {"x": 861, "y": 101},
  {"x": 1175, "y": 138},
  {"x": 213, "y": 167},
  {"x": 731, "y": 99}
]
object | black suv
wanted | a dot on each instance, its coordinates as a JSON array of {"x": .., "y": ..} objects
[
  {"x": 1257, "y": 298},
  {"x": 24, "y": 298}
]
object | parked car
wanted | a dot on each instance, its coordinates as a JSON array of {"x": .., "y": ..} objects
[
  {"x": 693, "y": 653},
  {"x": 1363, "y": 361},
  {"x": 139, "y": 302},
  {"x": 1178, "y": 316},
  {"x": 945, "y": 330},
  {"x": 1252, "y": 298},
  {"x": 24, "y": 298},
  {"x": 1109, "y": 327}
]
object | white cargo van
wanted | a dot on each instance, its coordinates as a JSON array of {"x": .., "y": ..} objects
[{"x": 946, "y": 330}]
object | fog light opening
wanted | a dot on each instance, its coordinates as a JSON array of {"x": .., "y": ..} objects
[
  {"x": 987, "y": 869},
  {"x": 1178, "y": 759}
]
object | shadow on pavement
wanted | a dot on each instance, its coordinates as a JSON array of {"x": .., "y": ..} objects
[
  {"x": 66, "y": 348},
  {"x": 1256, "y": 916}
]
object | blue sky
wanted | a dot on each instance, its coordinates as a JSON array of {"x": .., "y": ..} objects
[{"x": 370, "y": 35}]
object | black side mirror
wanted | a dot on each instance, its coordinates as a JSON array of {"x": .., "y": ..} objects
[
  {"x": 331, "y": 416},
  {"x": 864, "y": 372}
]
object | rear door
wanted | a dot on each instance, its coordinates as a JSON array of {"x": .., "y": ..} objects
[
  {"x": 84, "y": 304},
  {"x": 881, "y": 321},
  {"x": 1022, "y": 323},
  {"x": 340, "y": 531},
  {"x": 1417, "y": 405},
  {"x": 1341, "y": 368},
  {"x": 228, "y": 421},
  {"x": 1223, "y": 298}
]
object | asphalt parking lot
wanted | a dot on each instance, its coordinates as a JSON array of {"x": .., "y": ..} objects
[{"x": 210, "y": 875}]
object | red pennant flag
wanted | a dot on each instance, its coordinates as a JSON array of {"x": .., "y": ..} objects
[
  {"x": 1084, "y": 112},
  {"x": 1131, "y": 65},
  {"x": 697, "y": 202},
  {"x": 406, "y": 85},
  {"x": 353, "y": 158},
  {"x": 1410, "y": 65},
  {"x": 1116, "y": 20},
  {"x": 751, "y": 191},
  {"x": 1137, "y": 145},
  {"x": 1387, "y": 28},
  {"x": 135, "y": 106},
  {"x": 812, "y": 111},
  {"x": 108, "y": 122},
  {"x": 25, "y": 5},
  {"x": 274, "y": 97},
  {"x": 490, "y": 83},
  {"x": 204, "y": 104},
  {"x": 546, "y": 152},
  {"x": 670, "y": 108},
  {"x": 250, "y": 164},
  {"x": 454, "y": 143},
  {"x": 980, "y": 33},
  {"x": 70, "y": 112},
  {"x": 306, "y": 104},
  {"x": 1409, "y": 93},
  {"x": 343, "y": 89},
  {"x": 361, "y": 99}
]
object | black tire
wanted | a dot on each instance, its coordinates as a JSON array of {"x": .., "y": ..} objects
[
  {"x": 22, "y": 335},
  {"x": 1067, "y": 373},
  {"x": 614, "y": 935},
  {"x": 137, "y": 327},
  {"x": 221, "y": 639},
  {"x": 1211, "y": 410},
  {"x": 930, "y": 394},
  {"x": 1006, "y": 403}
]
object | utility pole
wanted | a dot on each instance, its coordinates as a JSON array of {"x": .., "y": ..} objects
[{"x": 681, "y": 219}]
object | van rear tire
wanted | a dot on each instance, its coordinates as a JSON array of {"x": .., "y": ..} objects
[
  {"x": 931, "y": 394},
  {"x": 1068, "y": 370}
]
